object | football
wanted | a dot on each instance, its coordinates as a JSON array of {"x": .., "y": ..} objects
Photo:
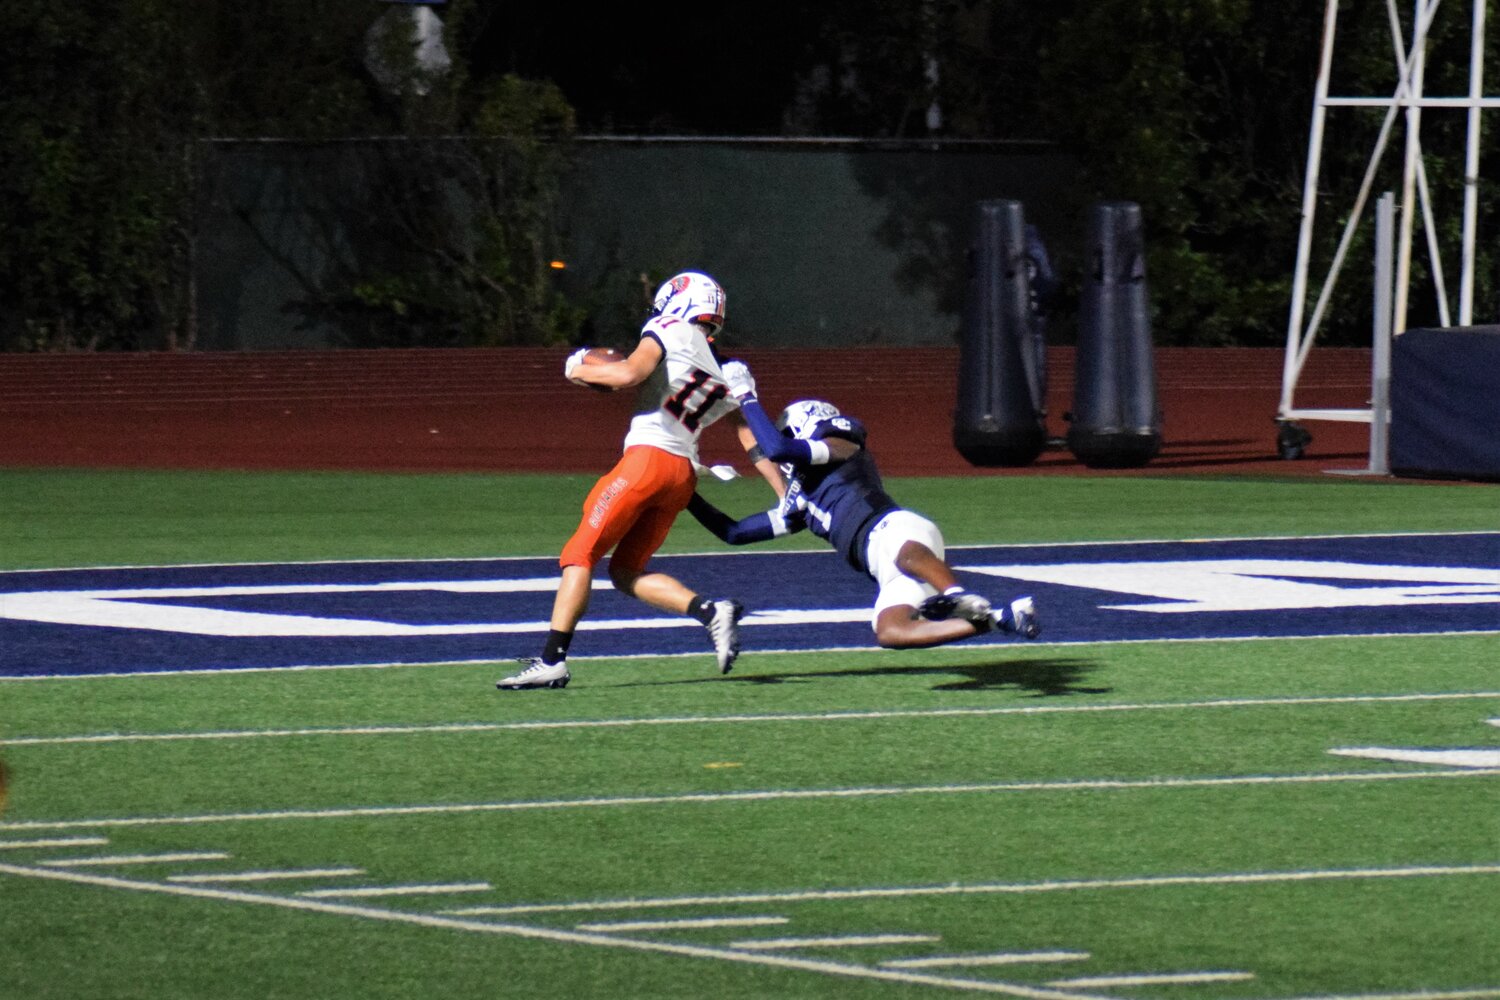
[
  {"x": 602, "y": 356},
  {"x": 599, "y": 356}
]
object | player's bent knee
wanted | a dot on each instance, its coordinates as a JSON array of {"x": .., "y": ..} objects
[{"x": 624, "y": 577}]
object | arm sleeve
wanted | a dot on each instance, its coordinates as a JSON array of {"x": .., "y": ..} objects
[
  {"x": 760, "y": 527},
  {"x": 777, "y": 447}
]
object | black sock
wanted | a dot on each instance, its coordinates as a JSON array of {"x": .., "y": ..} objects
[
  {"x": 556, "y": 649},
  {"x": 701, "y": 608}
]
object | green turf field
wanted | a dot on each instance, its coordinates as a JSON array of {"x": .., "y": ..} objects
[{"x": 1143, "y": 820}]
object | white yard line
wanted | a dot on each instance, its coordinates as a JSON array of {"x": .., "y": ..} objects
[
  {"x": 372, "y": 891},
  {"x": 267, "y": 876},
  {"x": 702, "y": 720},
  {"x": 550, "y": 934},
  {"x": 1002, "y": 958},
  {"x": 1149, "y": 979},
  {"x": 773, "y": 795},
  {"x": 839, "y": 941},
  {"x": 134, "y": 859},
  {"x": 685, "y": 923},
  {"x": 18, "y": 845},
  {"x": 1004, "y": 888}
]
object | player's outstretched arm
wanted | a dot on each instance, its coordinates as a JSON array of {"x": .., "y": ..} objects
[
  {"x": 779, "y": 448},
  {"x": 776, "y": 447},
  {"x": 769, "y": 470},
  {"x": 762, "y": 527}
]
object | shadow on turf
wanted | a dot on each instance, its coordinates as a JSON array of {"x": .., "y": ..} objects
[{"x": 1044, "y": 678}]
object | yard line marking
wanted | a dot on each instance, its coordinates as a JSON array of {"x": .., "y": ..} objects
[
  {"x": 268, "y": 876},
  {"x": 686, "y": 923},
  {"x": 841, "y": 941},
  {"x": 1141, "y": 882},
  {"x": 551, "y": 934},
  {"x": 918, "y": 713},
  {"x": 1153, "y": 979},
  {"x": 17, "y": 845},
  {"x": 135, "y": 859},
  {"x": 1456, "y": 757},
  {"x": 774, "y": 795},
  {"x": 436, "y": 889},
  {"x": 1003, "y": 958}
]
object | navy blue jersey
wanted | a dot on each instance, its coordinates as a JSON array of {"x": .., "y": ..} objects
[{"x": 844, "y": 500}]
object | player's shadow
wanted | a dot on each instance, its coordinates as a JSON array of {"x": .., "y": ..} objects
[{"x": 1042, "y": 677}]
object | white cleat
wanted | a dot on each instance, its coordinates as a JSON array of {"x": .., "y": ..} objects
[
  {"x": 971, "y": 608},
  {"x": 724, "y": 631},
  {"x": 1020, "y": 618},
  {"x": 537, "y": 675}
]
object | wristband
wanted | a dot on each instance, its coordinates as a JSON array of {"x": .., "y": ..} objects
[{"x": 756, "y": 453}]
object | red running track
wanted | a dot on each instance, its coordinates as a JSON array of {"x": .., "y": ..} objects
[{"x": 509, "y": 409}]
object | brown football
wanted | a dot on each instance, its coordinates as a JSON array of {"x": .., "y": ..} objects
[{"x": 600, "y": 356}]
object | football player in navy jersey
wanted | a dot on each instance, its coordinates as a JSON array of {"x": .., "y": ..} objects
[{"x": 833, "y": 488}]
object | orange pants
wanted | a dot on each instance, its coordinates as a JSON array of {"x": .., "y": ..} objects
[{"x": 630, "y": 509}]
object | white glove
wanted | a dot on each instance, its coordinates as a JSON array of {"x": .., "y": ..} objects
[
  {"x": 741, "y": 382},
  {"x": 574, "y": 360},
  {"x": 724, "y": 472}
]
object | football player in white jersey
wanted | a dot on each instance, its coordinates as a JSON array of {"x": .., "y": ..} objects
[{"x": 632, "y": 507}]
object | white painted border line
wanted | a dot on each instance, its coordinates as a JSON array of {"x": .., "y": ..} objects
[
  {"x": 135, "y": 859},
  {"x": 1450, "y": 757},
  {"x": 1150, "y": 979},
  {"x": 1073, "y": 885},
  {"x": 1479, "y": 994},
  {"x": 550, "y": 934},
  {"x": 1479, "y": 533},
  {"x": 267, "y": 876},
  {"x": 18, "y": 845},
  {"x": 773, "y": 795},
  {"x": 996, "y": 644},
  {"x": 1002, "y": 958},
  {"x": 839, "y": 941},
  {"x": 685, "y": 923},
  {"x": 462, "y": 728},
  {"x": 371, "y": 891}
]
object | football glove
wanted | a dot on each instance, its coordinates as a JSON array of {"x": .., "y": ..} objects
[
  {"x": 574, "y": 360},
  {"x": 741, "y": 382}
]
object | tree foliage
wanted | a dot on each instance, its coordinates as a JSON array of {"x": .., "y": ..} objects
[
  {"x": 105, "y": 108},
  {"x": 1196, "y": 109}
]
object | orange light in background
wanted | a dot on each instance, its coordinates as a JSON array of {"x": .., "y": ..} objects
[{"x": 558, "y": 265}]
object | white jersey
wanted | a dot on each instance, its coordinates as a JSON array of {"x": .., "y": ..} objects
[{"x": 685, "y": 394}]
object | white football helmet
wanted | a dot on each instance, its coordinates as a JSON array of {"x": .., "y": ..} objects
[
  {"x": 801, "y": 417},
  {"x": 692, "y": 296}
]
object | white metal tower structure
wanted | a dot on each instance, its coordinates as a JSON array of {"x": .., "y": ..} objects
[{"x": 1408, "y": 101}]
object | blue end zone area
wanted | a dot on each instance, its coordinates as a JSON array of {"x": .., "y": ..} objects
[{"x": 75, "y": 622}]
